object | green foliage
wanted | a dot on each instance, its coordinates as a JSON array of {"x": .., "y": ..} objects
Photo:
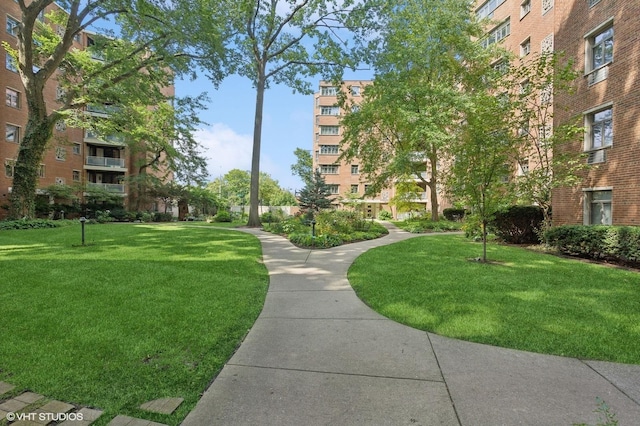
[
  {"x": 222, "y": 216},
  {"x": 385, "y": 215},
  {"x": 162, "y": 217},
  {"x": 7, "y": 225},
  {"x": 333, "y": 228},
  {"x": 303, "y": 166},
  {"x": 319, "y": 241},
  {"x": 454, "y": 214},
  {"x": 612, "y": 243},
  {"x": 518, "y": 224},
  {"x": 421, "y": 225},
  {"x": 315, "y": 196},
  {"x": 272, "y": 216}
]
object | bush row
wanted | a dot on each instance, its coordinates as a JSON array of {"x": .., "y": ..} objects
[
  {"x": 418, "y": 226},
  {"x": 34, "y": 224},
  {"x": 613, "y": 243}
]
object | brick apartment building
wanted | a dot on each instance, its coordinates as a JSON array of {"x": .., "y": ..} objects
[
  {"x": 602, "y": 37},
  {"x": 75, "y": 156},
  {"x": 345, "y": 178}
]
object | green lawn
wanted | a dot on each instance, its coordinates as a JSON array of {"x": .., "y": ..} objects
[
  {"x": 524, "y": 300},
  {"x": 141, "y": 312}
]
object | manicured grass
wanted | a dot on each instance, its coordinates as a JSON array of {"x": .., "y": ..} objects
[
  {"x": 524, "y": 300},
  {"x": 141, "y": 312}
]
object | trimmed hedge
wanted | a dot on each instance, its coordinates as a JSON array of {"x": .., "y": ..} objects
[
  {"x": 619, "y": 244},
  {"x": 518, "y": 224}
]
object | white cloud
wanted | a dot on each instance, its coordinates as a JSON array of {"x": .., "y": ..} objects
[{"x": 224, "y": 149}]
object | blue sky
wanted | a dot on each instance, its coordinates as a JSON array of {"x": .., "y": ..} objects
[{"x": 228, "y": 138}]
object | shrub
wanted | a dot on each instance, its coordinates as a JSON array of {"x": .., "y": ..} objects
[
  {"x": 103, "y": 216},
  {"x": 454, "y": 214},
  {"x": 418, "y": 226},
  {"x": 272, "y": 216},
  {"x": 518, "y": 224},
  {"x": 320, "y": 241},
  {"x": 385, "y": 215},
  {"x": 614, "y": 243},
  {"x": 162, "y": 217},
  {"x": 33, "y": 224},
  {"x": 222, "y": 216},
  {"x": 120, "y": 215}
]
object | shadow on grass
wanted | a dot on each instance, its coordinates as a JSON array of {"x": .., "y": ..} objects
[{"x": 526, "y": 300}]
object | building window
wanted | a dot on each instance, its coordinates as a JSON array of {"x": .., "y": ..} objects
[
  {"x": 333, "y": 189},
  {"x": 525, "y": 47},
  {"x": 355, "y": 90},
  {"x": 525, "y": 8},
  {"x": 328, "y": 91},
  {"x": 597, "y": 207},
  {"x": 593, "y": 2},
  {"x": 329, "y": 110},
  {"x": 355, "y": 169},
  {"x": 9, "y": 166},
  {"x": 599, "y": 52},
  {"x": 602, "y": 48},
  {"x": 523, "y": 167},
  {"x": 77, "y": 149},
  {"x": 61, "y": 153},
  {"x": 329, "y": 169},
  {"x": 13, "y": 98},
  {"x": 547, "y": 5},
  {"x": 10, "y": 64},
  {"x": 41, "y": 171},
  {"x": 500, "y": 32},
  {"x": 12, "y": 26},
  {"x": 487, "y": 9},
  {"x": 329, "y": 130},
  {"x": 60, "y": 126},
  {"x": 12, "y": 133},
  {"x": 599, "y": 126},
  {"x": 354, "y": 189},
  {"x": 329, "y": 149},
  {"x": 76, "y": 175}
]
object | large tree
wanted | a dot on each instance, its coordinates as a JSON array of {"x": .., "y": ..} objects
[
  {"x": 281, "y": 42},
  {"x": 131, "y": 67},
  {"x": 404, "y": 124}
]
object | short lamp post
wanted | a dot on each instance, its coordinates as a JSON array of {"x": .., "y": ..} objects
[
  {"x": 82, "y": 221},
  {"x": 313, "y": 228}
]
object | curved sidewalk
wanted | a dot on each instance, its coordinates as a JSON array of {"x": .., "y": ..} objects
[{"x": 317, "y": 355}]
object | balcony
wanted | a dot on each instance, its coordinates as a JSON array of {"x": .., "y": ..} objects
[
  {"x": 105, "y": 162},
  {"x": 117, "y": 188}
]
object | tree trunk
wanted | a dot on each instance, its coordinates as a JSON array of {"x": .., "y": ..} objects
[
  {"x": 254, "y": 191},
  {"x": 38, "y": 132},
  {"x": 433, "y": 187}
]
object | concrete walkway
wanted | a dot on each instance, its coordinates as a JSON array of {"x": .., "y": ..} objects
[{"x": 317, "y": 355}]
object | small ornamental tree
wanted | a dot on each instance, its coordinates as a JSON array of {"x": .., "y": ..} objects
[{"x": 315, "y": 196}]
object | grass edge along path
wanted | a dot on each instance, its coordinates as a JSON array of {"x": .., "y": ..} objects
[
  {"x": 523, "y": 300},
  {"x": 141, "y": 312}
]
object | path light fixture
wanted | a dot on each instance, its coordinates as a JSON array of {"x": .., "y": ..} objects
[
  {"x": 82, "y": 221},
  {"x": 313, "y": 228}
]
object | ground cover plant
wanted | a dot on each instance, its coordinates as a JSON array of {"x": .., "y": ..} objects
[
  {"x": 422, "y": 225},
  {"x": 522, "y": 299},
  {"x": 329, "y": 228},
  {"x": 142, "y": 311}
]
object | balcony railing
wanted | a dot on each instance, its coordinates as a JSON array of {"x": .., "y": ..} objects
[
  {"x": 110, "y": 187},
  {"x": 105, "y": 161}
]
